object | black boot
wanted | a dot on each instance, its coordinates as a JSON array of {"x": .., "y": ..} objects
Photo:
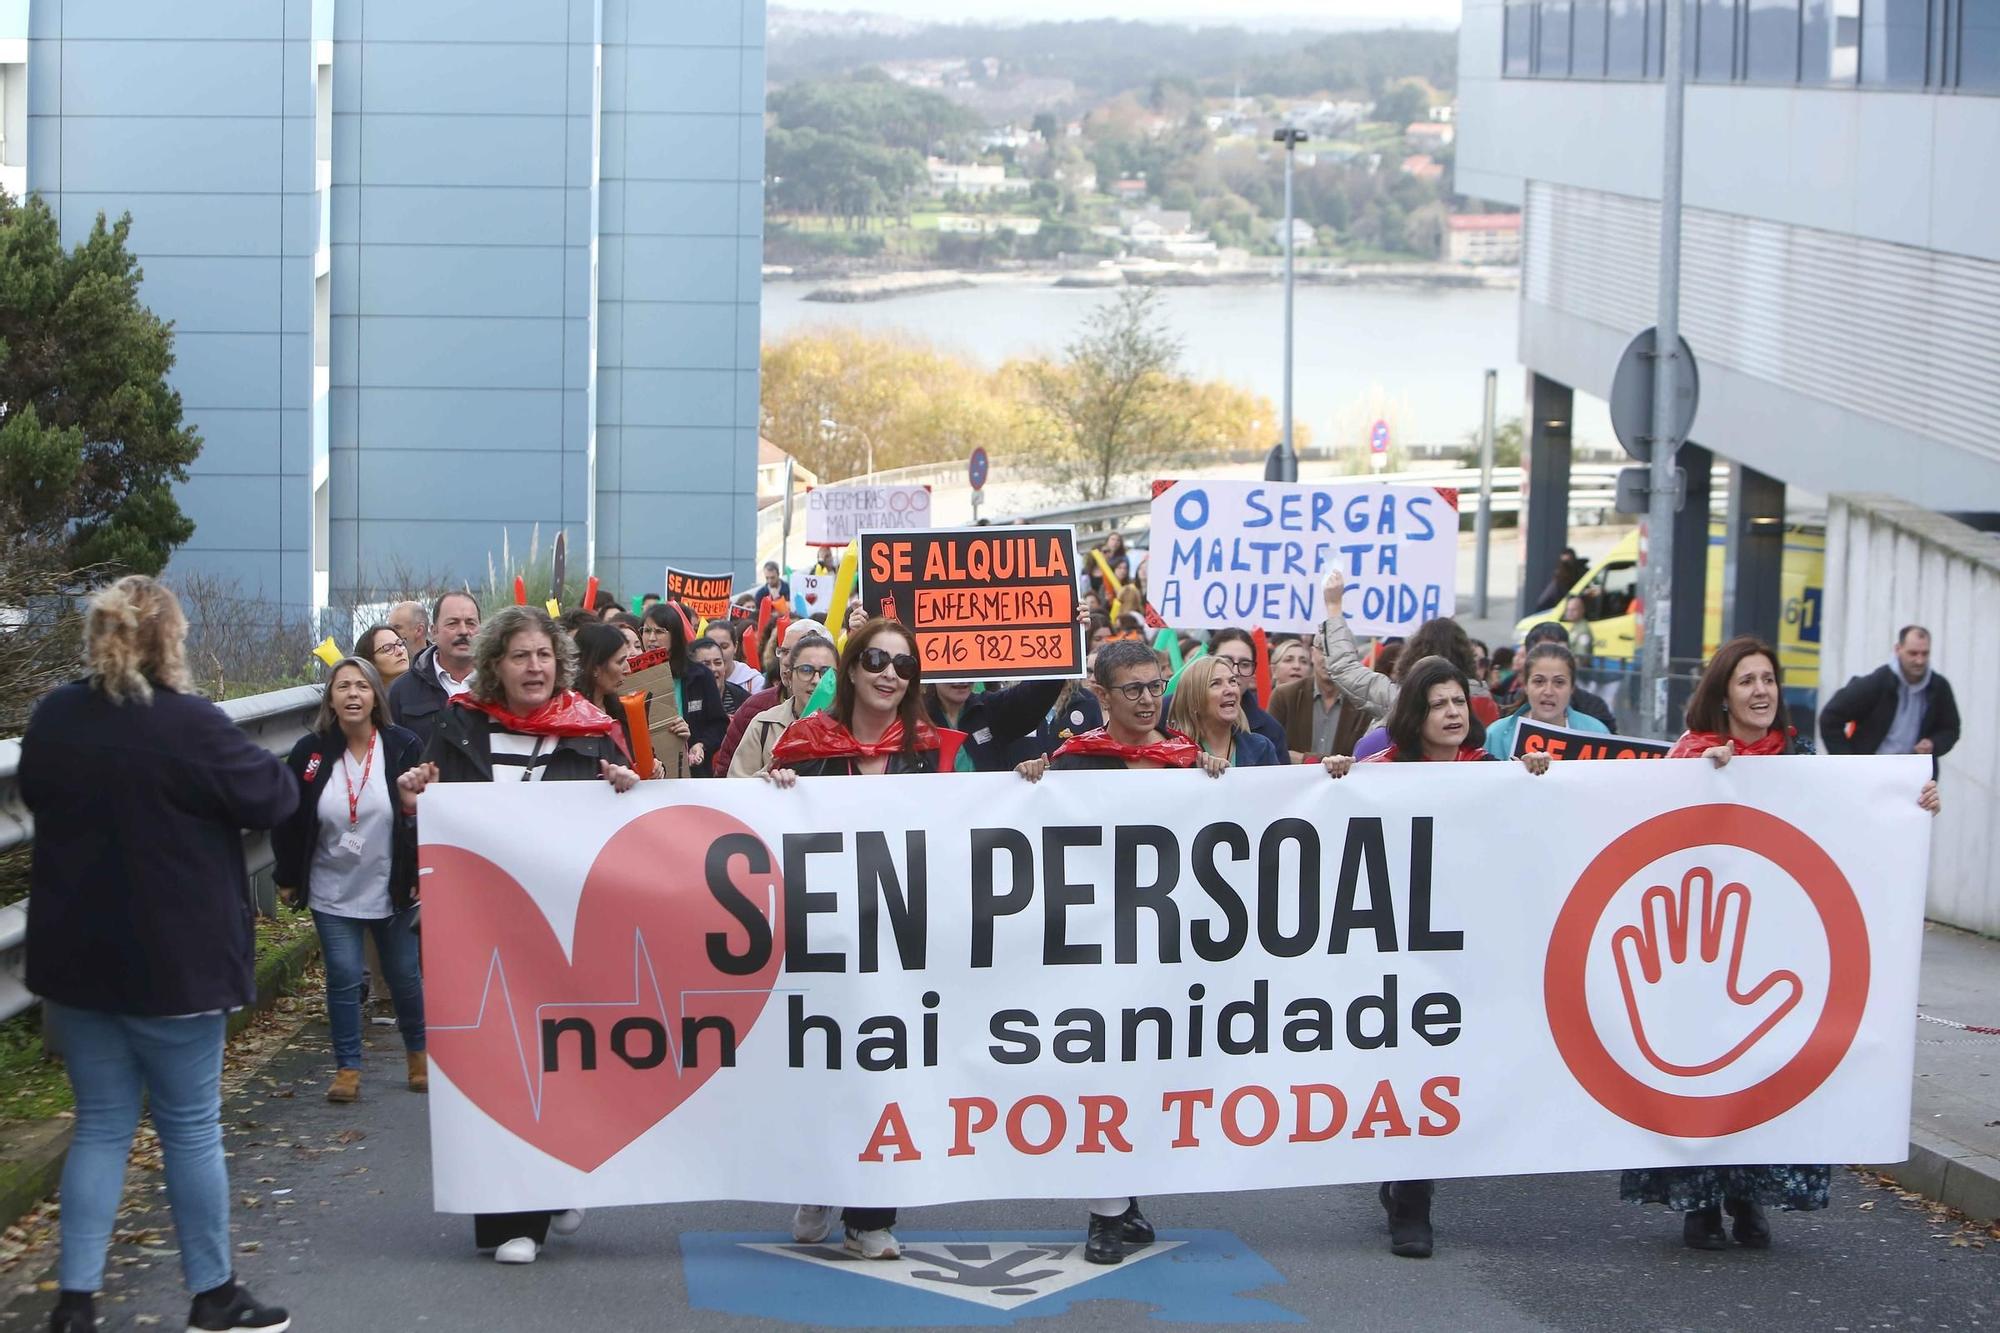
[
  {"x": 1103, "y": 1245},
  {"x": 1753, "y": 1231},
  {"x": 1133, "y": 1228},
  {"x": 75, "y": 1312},
  {"x": 1702, "y": 1229},
  {"x": 1408, "y": 1203}
]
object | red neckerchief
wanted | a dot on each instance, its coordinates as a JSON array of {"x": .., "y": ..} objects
[
  {"x": 1176, "y": 751},
  {"x": 821, "y": 737},
  {"x": 1693, "y": 744},
  {"x": 1466, "y": 754},
  {"x": 567, "y": 714}
]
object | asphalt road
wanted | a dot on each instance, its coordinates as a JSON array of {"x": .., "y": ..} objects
[{"x": 342, "y": 1232}]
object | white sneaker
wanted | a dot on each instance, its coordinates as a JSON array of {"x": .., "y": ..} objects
[
  {"x": 812, "y": 1223},
  {"x": 568, "y": 1222},
  {"x": 520, "y": 1250},
  {"x": 879, "y": 1244}
]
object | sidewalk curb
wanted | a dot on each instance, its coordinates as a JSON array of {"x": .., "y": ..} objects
[
  {"x": 31, "y": 1159},
  {"x": 1951, "y": 1173}
]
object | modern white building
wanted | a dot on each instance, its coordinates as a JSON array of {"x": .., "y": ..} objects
[
  {"x": 1840, "y": 278},
  {"x": 440, "y": 273}
]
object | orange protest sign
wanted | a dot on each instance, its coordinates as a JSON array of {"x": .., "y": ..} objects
[
  {"x": 705, "y": 595},
  {"x": 984, "y": 603}
]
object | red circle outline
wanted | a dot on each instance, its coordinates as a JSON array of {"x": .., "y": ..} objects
[{"x": 1568, "y": 957}]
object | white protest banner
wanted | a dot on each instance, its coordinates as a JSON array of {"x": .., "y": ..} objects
[
  {"x": 817, "y": 589},
  {"x": 1256, "y": 553},
  {"x": 909, "y": 990},
  {"x": 836, "y": 515}
]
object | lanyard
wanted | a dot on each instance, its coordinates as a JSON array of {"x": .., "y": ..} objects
[{"x": 353, "y": 796}]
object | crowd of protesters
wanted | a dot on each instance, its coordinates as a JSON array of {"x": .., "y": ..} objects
[{"x": 140, "y": 959}]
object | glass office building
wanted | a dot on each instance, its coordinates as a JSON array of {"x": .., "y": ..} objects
[
  {"x": 1841, "y": 255},
  {"x": 439, "y": 272}
]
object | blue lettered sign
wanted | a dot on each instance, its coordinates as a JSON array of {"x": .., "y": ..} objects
[{"x": 1256, "y": 553}]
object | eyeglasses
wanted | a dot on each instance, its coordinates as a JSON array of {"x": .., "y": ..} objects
[
  {"x": 1242, "y": 666},
  {"x": 389, "y": 646},
  {"x": 877, "y": 660},
  {"x": 1481, "y": 663},
  {"x": 811, "y": 673},
  {"x": 1139, "y": 689}
]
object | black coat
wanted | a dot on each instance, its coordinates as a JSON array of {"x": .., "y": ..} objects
[
  {"x": 1869, "y": 703},
  {"x": 1591, "y": 705},
  {"x": 909, "y": 761},
  {"x": 416, "y": 698},
  {"x": 461, "y": 746},
  {"x": 707, "y": 719},
  {"x": 314, "y": 761},
  {"x": 138, "y": 901},
  {"x": 994, "y": 721},
  {"x": 1080, "y": 713}
]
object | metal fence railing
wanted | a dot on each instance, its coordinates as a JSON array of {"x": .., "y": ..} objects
[{"x": 275, "y": 721}]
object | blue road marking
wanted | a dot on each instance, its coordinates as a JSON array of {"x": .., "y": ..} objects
[{"x": 975, "y": 1279}]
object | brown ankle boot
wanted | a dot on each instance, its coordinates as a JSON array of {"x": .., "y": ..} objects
[
  {"x": 346, "y": 1086},
  {"x": 420, "y": 1071}
]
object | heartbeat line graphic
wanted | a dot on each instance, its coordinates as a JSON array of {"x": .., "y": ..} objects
[{"x": 645, "y": 977}]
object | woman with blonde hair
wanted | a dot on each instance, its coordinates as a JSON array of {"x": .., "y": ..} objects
[
  {"x": 139, "y": 956},
  {"x": 1207, "y": 708}
]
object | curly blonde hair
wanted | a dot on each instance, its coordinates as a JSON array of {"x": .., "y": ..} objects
[
  {"x": 135, "y": 638},
  {"x": 491, "y": 646}
]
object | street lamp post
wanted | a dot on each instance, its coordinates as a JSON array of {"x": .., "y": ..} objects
[
  {"x": 834, "y": 428},
  {"x": 1291, "y": 138}
]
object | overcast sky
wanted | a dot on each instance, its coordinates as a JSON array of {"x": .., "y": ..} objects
[{"x": 1388, "y": 10}]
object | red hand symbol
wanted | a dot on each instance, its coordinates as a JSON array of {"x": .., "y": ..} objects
[{"x": 1673, "y": 983}]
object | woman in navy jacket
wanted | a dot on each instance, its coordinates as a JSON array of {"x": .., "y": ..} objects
[
  {"x": 140, "y": 937},
  {"x": 350, "y": 853}
]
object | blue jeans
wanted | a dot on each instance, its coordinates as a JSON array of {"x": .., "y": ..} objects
[
  {"x": 176, "y": 1064},
  {"x": 340, "y": 942}
]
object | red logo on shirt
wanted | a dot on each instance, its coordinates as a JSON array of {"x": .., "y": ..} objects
[{"x": 312, "y": 767}]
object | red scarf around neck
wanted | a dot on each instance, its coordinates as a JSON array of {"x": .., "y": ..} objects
[
  {"x": 821, "y": 737},
  {"x": 565, "y": 714},
  {"x": 1176, "y": 751},
  {"x": 1467, "y": 754},
  {"x": 1693, "y": 744}
]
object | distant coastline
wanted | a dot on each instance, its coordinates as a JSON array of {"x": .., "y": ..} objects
[{"x": 848, "y": 289}]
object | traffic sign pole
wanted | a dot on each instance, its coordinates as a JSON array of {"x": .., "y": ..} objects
[{"x": 1664, "y": 500}]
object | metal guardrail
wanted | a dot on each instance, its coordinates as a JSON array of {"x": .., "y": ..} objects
[{"x": 275, "y": 721}]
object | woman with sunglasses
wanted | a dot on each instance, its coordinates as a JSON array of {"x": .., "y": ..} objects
[
  {"x": 382, "y": 648},
  {"x": 875, "y": 725},
  {"x": 810, "y": 658}
]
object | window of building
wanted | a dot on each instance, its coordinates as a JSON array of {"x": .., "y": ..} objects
[
  {"x": 1830, "y": 37},
  {"x": 1586, "y": 42},
  {"x": 1552, "y": 42},
  {"x": 1772, "y": 41},
  {"x": 1625, "y": 40},
  {"x": 1979, "y": 45},
  {"x": 1714, "y": 39},
  {"x": 1520, "y": 51},
  {"x": 1895, "y": 43}
]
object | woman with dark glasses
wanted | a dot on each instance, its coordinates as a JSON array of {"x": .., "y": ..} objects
[
  {"x": 809, "y": 659},
  {"x": 875, "y": 725}
]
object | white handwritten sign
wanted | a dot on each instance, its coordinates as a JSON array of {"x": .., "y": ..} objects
[
  {"x": 1256, "y": 553},
  {"x": 836, "y": 515}
]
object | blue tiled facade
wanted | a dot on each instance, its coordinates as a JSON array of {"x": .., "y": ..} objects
[{"x": 441, "y": 273}]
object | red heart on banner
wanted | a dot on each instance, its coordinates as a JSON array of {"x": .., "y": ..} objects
[{"x": 581, "y": 1054}]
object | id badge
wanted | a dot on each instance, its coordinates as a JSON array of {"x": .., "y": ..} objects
[{"x": 352, "y": 842}]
